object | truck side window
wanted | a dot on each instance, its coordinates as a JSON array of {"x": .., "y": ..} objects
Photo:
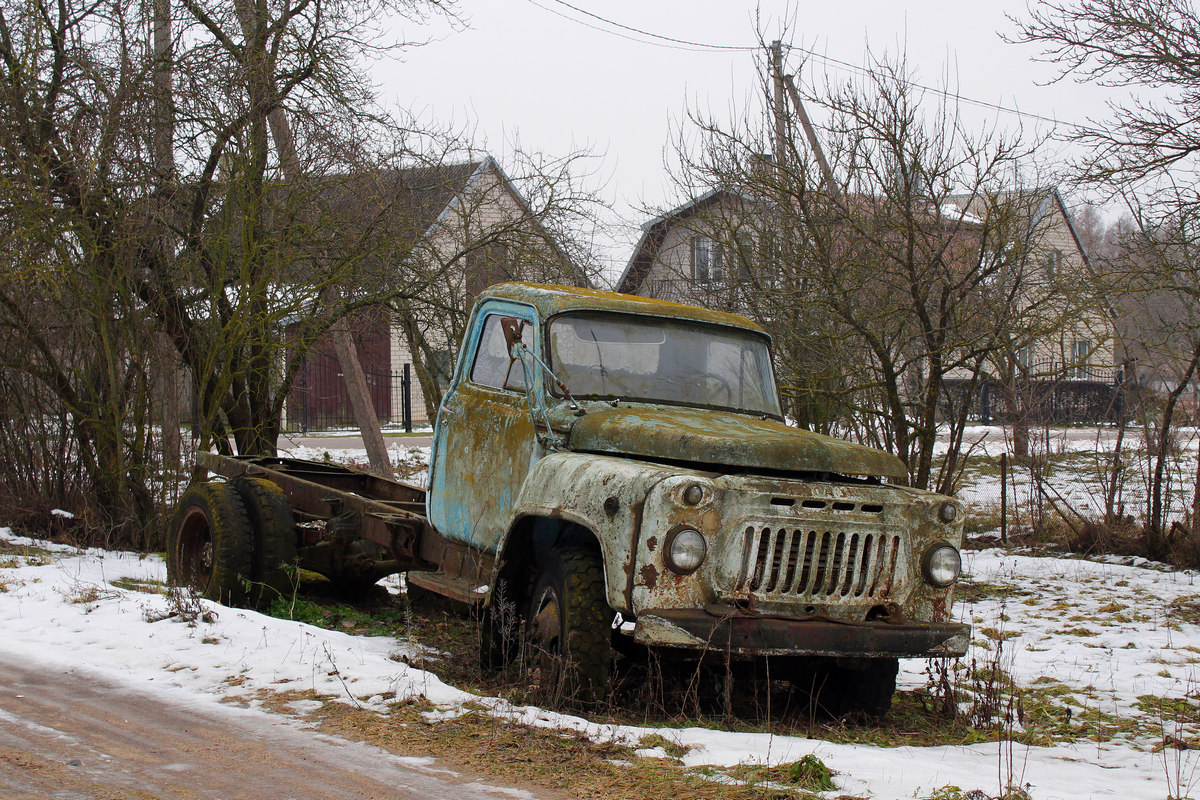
[{"x": 493, "y": 367}]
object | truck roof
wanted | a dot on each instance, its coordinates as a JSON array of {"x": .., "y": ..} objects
[{"x": 550, "y": 300}]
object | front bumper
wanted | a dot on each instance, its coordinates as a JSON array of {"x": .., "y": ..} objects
[{"x": 761, "y": 634}]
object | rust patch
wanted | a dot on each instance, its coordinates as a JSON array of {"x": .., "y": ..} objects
[
  {"x": 649, "y": 576},
  {"x": 941, "y": 608},
  {"x": 652, "y": 543}
]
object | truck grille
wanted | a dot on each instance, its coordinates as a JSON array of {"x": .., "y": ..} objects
[{"x": 818, "y": 564}]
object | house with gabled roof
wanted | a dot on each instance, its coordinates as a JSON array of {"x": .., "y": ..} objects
[
  {"x": 1084, "y": 348},
  {"x": 686, "y": 255},
  {"x": 679, "y": 257},
  {"x": 453, "y": 230}
]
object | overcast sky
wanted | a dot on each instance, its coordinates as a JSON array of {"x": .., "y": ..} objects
[{"x": 555, "y": 79}]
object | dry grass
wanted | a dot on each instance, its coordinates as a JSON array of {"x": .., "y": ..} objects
[{"x": 543, "y": 760}]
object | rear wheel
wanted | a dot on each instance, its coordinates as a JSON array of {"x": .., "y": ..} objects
[
  {"x": 274, "y": 530},
  {"x": 211, "y": 546},
  {"x": 569, "y": 627}
]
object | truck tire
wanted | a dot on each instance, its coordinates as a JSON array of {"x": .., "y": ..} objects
[
  {"x": 864, "y": 692},
  {"x": 569, "y": 627},
  {"x": 274, "y": 531},
  {"x": 211, "y": 547},
  {"x": 877, "y": 685}
]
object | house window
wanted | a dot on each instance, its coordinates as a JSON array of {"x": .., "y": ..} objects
[
  {"x": 1081, "y": 349},
  {"x": 1025, "y": 357},
  {"x": 708, "y": 267},
  {"x": 1052, "y": 261}
]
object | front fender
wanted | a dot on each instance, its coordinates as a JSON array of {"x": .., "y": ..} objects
[{"x": 604, "y": 494}]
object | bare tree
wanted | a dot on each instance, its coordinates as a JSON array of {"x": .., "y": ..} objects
[
  {"x": 1143, "y": 44},
  {"x": 914, "y": 270},
  {"x": 74, "y": 170},
  {"x": 1144, "y": 153},
  {"x": 1155, "y": 282},
  {"x": 142, "y": 195}
]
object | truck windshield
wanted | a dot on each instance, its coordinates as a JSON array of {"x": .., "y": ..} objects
[{"x": 659, "y": 360}]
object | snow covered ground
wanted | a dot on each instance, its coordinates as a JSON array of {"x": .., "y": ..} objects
[
  {"x": 1118, "y": 643},
  {"x": 1104, "y": 636},
  {"x": 1075, "y": 470}
]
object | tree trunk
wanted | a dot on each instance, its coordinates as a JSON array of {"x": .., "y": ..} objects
[{"x": 360, "y": 400}]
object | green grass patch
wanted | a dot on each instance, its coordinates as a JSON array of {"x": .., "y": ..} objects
[
  {"x": 1077, "y": 630},
  {"x": 1185, "y": 609},
  {"x": 809, "y": 774},
  {"x": 970, "y": 592},
  {"x": 946, "y": 793},
  {"x": 671, "y": 748},
  {"x": 1174, "y": 709},
  {"x": 998, "y": 635},
  {"x": 13, "y": 556},
  {"x": 375, "y": 620},
  {"x": 134, "y": 585}
]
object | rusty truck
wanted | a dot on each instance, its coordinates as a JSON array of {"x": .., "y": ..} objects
[{"x": 611, "y": 470}]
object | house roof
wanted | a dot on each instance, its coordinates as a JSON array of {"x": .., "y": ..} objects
[
  {"x": 550, "y": 300},
  {"x": 425, "y": 197},
  {"x": 421, "y": 193},
  {"x": 655, "y": 230},
  {"x": 1048, "y": 200}
]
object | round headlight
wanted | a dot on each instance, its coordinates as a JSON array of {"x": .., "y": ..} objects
[
  {"x": 685, "y": 551},
  {"x": 948, "y": 512},
  {"x": 942, "y": 564}
]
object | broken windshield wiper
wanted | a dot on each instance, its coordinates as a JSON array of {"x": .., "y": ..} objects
[{"x": 522, "y": 353}]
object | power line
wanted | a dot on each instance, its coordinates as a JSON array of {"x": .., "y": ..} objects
[
  {"x": 618, "y": 34},
  {"x": 694, "y": 46},
  {"x": 699, "y": 45},
  {"x": 944, "y": 92}
]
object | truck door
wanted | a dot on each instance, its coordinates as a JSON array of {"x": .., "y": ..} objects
[{"x": 484, "y": 436}]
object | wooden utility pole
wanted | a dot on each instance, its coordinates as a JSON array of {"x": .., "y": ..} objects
[
  {"x": 778, "y": 109},
  {"x": 360, "y": 399},
  {"x": 781, "y": 82},
  {"x": 813, "y": 142}
]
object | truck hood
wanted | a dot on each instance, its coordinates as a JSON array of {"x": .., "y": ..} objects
[{"x": 724, "y": 439}]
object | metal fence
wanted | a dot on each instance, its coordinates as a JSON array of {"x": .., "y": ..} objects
[
  {"x": 1058, "y": 395},
  {"x": 319, "y": 399}
]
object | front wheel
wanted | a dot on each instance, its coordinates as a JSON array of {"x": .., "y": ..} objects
[
  {"x": 863, "y": 691},
  {"x": 211, "y": 545},
  {"x": 569, "y": 627}
]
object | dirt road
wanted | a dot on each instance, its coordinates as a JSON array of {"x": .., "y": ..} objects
[{"x": 68, "y": 737}]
